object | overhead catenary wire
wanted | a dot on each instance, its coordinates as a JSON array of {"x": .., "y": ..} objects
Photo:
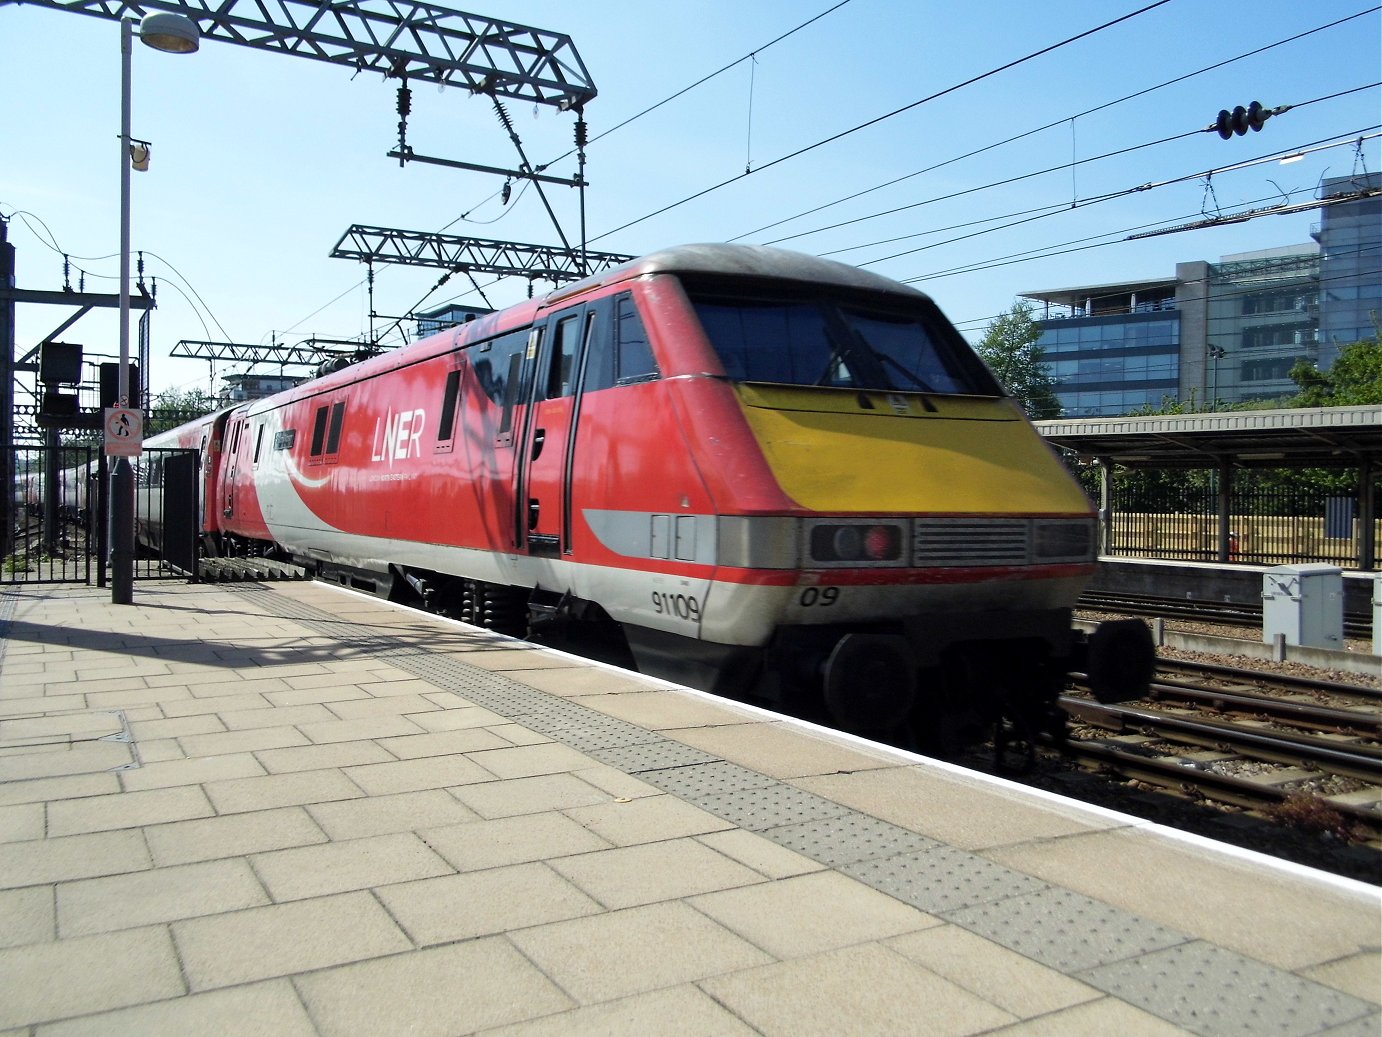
[
  {"x": 1044, "y": 252},
  {"x": 703, "y": 80},
  {"x": 1057, "y": 122},
  {"x": 881, "y": 118},
  {"x": 1018, "y": 178},
  {"x": 1052, "y": 210}
]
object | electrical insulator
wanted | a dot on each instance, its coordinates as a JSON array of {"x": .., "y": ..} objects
[
  {"x": 405, "y": 101},
  {"x": 505, "y": 191},
  {"x": 582, "y": 137},
  {"x": 1241, "y": 119}
]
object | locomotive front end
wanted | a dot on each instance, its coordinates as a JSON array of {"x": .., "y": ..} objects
[{"x": 932, "y": 547}]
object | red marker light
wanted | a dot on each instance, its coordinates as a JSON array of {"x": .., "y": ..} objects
[{"x": 880, "y": 543}]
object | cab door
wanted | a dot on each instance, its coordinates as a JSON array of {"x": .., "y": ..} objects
[
  {"x": 548, "y": 442},
  {"x": 231, "y": 459}
]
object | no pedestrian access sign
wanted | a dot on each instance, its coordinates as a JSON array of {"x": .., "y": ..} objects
[{"x": 124, "y": 432}]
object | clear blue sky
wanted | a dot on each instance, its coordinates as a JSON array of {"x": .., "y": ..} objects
[{"x": 261, "y": 161}]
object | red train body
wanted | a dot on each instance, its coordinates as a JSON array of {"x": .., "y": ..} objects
[{"x": 763, "y": 471}]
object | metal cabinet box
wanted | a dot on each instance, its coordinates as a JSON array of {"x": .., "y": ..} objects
[
  {"x": 1305, "y": 604},
  {"x": 1377, "y": 615}
]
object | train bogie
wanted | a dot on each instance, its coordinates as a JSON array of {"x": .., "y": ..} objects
[{"x": 766, "y": 473}]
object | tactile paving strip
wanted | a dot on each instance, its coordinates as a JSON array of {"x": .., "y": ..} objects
[
  {"x": 653, "y": 756},
  {"x": 758, "y": 809},
  {"x": 1164, "y": 972},
  {"x": 715, "y": 778},
  {"x": 848, "y": 839},
  {"x": 1063, "y": 929},
  {"x": 1212, "y": 991},
  {"x": 591, "y": 734},
  {"x": 942, "y": 879}
]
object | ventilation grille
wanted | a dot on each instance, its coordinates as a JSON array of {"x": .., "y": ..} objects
[{"x": 970, "y": 542}]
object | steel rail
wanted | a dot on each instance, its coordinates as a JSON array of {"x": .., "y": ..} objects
[
  {"x": 1354, "y": 761},
  {"x": 1285, "y": 680},
  {"x": 1295, "y": 713},
  {"x": 1221, "y": 787},
  {"x": 1231, "y": 614}
]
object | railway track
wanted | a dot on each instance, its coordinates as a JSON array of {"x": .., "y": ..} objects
[
  {"x": 1253, "y": 740},
  {"x": 1356, "y": 625}
]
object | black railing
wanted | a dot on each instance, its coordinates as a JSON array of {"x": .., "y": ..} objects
[{"x": 1275, "y": 517}]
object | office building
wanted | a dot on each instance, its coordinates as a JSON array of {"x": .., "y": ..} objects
[{"x": 1228, "y": 331}]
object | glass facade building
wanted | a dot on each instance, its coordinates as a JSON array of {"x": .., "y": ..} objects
[
  {"x": 1263, "y": 319},
  {"x": 1113, "y": 365},
  {"x": 1225, "y": 332},
  {"x": 1350, "y": 237}
]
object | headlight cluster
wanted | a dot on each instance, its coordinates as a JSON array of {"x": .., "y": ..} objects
[
  {"x": 945, "y": 542},
  {"x": 873, "y": 542}
]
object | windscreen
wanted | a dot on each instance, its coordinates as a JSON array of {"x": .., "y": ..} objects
[{"x": 841, "y": 343}]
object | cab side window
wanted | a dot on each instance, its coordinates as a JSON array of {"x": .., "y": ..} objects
[{"x": 619, "y": 350}]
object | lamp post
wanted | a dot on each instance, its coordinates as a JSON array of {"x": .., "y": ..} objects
[
  {"x": 1215, "y": 353},
  {"x": 175, "y": 34}
]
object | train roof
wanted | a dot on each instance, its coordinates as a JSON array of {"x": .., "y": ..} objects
[
  {"x": 761, "y": 262},
  {"x": 753, "y": 261}
]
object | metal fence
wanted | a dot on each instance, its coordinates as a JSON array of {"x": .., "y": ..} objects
[
  {"x": 1275, "y": 518},
  {"x": 58, "y": 516}
]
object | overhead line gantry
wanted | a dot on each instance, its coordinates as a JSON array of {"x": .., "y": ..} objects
[
  {"x": 400, "y": 39},
  {"x": 468, "y": 255}
]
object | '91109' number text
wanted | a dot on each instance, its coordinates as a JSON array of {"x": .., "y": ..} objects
[{"x": 683, "y": 606}]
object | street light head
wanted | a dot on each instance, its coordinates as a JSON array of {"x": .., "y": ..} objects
[{"x": 174, "y": 33}]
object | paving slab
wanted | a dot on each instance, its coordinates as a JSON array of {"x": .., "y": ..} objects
[
  {"x": 64, "y": 978},
  {"x": 285, "y": 939},
  {"x": 875, "y": 990},
  {"x": 481, "y": 903},
  {"x": 335, "y": 867},
  {"x": 433, "y": 992},
  {"x": 157, "y": 895},
  {"x": 254, "y": 1010}
]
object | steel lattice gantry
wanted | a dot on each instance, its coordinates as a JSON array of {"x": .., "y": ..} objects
[
  {"x": 304, "y": 354},
  {"x": 450, "y": 252},
  {"x": 396, "y": 38}
]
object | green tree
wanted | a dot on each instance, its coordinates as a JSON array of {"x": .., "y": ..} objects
[
  {"x": 1354, "y": 380},
  {"x": 173, "y": 407},
  {"x": 1009, "y": 347}
]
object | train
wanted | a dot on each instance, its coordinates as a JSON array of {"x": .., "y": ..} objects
[
  {"x": 75, "y": 491},
  {"x": 760, "y": 473}
]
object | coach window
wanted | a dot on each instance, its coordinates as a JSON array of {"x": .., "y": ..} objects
[
  {"x": 258, "y": 442},
  {"x": 561, "y": 376},
  {"x": 318, "y": 431},
  {"x": 333, "y": 435},
  {"x": 515, "y": 385},
  {"x": 447, "y": 427},
  {"x": 635, "y": 356}
]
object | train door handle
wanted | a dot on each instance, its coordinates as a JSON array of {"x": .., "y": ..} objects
[
  {"x": 539, "y": 437},
  {"x": 534, "y": 508}
]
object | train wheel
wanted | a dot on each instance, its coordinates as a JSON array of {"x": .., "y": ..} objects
[
  {"x": 1121, "y": 660},
  {"x": 1014, "y": 739},
  {"x": 870, "y": 682}
]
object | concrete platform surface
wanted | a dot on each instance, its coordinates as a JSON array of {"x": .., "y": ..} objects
[{"x": 290, "y": 809}]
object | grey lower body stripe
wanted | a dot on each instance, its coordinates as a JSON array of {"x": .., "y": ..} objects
[{"x": 1199, "y": 987}]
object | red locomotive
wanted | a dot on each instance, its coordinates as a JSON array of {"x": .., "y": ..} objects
[{"x": 765, "y": 472}]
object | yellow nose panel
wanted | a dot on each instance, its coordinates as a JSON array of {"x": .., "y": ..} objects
[{"x": 836, "y": 450}]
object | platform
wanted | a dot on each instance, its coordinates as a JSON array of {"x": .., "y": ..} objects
[{"x": 292, "y": 809}]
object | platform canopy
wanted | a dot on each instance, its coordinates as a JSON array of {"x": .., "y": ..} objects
[{"x": 1322, "y": 437}]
